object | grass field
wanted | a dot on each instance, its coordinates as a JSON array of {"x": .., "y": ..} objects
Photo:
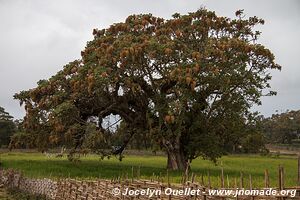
[{"x": 91, "y": 167}]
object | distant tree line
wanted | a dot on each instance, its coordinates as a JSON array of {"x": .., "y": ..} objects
[
  {"x": 282, "y": 128},
  {"x": 7, "y": 127}
]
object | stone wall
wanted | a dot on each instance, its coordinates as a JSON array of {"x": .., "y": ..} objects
[
  {"x": 70, "y": 189},
  {"x": 13, "y": 179}
]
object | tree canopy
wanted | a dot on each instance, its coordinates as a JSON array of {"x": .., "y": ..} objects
[
  {"x": 186, "y": 83},
  {"x": 7, "y": 127},
  {"x": 282, "y": 128}
]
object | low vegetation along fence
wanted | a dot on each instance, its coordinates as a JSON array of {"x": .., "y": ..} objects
[{"x": 136, "y": 188}]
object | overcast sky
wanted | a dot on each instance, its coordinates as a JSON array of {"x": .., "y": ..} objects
[{"x": 39, "y": 37}]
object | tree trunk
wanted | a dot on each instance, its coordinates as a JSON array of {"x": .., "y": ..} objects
[{"x": 176, "y": 160}]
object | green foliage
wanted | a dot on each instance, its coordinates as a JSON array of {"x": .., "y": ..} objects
[
  {"x": 21, "y": 140},
  {"x": 7, "y": 127},
  {"x": 96, "y": 140},
  {"x": 283, "y": 128},
  {"x": 254, "y": 144}
]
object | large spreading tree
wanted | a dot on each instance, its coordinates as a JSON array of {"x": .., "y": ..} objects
[{"x": 186, "y": 83}]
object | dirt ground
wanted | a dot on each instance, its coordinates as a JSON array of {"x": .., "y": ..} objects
[{"x": 287, "y": 150}]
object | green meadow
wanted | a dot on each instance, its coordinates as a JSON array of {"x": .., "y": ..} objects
[{"x": 153, "y": 167}]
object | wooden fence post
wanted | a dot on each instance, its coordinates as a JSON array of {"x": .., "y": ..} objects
[
  {"x": 228, "y": 184},
  {"x": 139, "y": 173},
  {"x": 267, "y": 179},
  {"x": 242, "y": 180},
  {"x": 132, "y": 171},
  {"x": 250, "y": 185},
  {"x": 193, "y": 177},
  {"x": 161, "y": 178},
  {"x": 153, "y": 177},
  {"x": 186, "y": 172},
  {"x": 299, "y": 170},
  {"x": 279, "y": 177},
  {"x": 250, "y": 182},
  {"x": 282, "y": 177},
  {"x": 208, "y": 177},
  {"x": 235, "y": 183},
  {"x": 168, "y": 178},
  {"x": 222, "y": 178}
]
